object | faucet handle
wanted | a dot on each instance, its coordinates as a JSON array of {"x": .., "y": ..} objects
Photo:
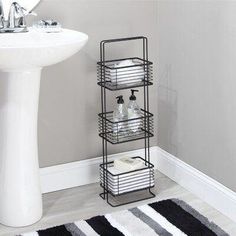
[
  {"x": 32, "y": 13},
  {"x": 21, "y": 11},
  {"x": 25, "y": 12}
]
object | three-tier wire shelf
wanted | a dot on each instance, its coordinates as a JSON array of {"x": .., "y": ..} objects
[{"x": 121, "y": 188}]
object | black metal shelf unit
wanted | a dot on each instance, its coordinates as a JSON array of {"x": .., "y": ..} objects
[{"x": 111, "y": 76}]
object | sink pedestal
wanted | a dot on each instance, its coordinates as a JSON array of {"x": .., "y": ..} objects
[
  {"x": 22, "y": 56},
  {"x": 20, "y": 192}
]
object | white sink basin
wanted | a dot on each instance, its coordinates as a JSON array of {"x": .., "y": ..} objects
[
  {"x": 22, "y": 56},
  {"x": 38, "y": 49}
]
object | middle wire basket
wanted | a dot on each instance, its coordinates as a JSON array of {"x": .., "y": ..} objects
[{"x": 126, "y": 130}]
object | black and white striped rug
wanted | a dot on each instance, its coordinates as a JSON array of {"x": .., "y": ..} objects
[{"x": 164, "y": 218}]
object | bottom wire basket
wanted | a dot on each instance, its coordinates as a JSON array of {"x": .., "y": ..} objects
[
  {"x": 126, "y": 187},
  {"x": 118, "y": 183}
]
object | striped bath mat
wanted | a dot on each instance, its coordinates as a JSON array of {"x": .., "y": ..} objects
[{"x": 165, "y": 218}]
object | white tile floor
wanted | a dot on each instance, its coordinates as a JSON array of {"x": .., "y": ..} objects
[{"x": 83, "y": 202}]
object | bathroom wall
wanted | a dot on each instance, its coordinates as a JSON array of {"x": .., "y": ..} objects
[
  {"x": 69, "y": 96},
  {"x": 196, "y": 92}
]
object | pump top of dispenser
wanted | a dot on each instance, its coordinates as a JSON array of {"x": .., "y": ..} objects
[
  {"x": 120, "y": 100},
  {"x": 133, "y": 97}
]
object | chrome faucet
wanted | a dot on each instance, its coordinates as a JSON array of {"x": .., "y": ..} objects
[
  {"x": 12, "y": 21},
  {"x": 16, "y": 22}
]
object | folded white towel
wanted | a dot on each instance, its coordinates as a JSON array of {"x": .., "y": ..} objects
[
  {"x": 128, "y": 164},
  {"x": 132, "y": 74}
]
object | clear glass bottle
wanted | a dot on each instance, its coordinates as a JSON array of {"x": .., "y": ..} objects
[
  {"x": 120, "y": 114},
  {"x": 134, "y": 112}
]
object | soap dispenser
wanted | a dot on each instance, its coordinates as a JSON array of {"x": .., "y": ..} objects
[
  {"x": 134, "y": 112},
  {"x": 120, "y": 114}
]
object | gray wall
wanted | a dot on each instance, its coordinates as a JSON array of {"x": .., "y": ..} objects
[
  {"x": 197, "y": 84},
  {"x": 69, "y": 96}
]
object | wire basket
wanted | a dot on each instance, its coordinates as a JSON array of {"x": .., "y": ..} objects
[
  {"x": 126, "y": 130},
  {"x": 118, "y": 183},
  {"x": 114, "y": 76}
]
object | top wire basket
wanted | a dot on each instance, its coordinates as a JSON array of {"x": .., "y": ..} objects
[{"x": 124, "y": 73}]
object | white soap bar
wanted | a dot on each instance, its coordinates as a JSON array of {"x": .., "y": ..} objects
[{"x": 128, "y": 164}]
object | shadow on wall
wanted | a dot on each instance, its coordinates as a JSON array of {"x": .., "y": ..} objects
[{"x": 167, "y": 106}]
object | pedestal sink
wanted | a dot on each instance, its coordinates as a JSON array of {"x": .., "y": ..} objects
[{"x": 22, "y": 57}]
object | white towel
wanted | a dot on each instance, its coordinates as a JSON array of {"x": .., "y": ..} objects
[{"x": 126, "y": 75}]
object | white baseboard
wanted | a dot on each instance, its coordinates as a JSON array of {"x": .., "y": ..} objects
[
  {"x": 209, "y": 190},
  {"x": 86, "y": 172}
]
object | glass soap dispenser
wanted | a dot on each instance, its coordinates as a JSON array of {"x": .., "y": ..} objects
[
  {"x": 134, "y": 112},
  {"x": 120, "y": 114}
]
